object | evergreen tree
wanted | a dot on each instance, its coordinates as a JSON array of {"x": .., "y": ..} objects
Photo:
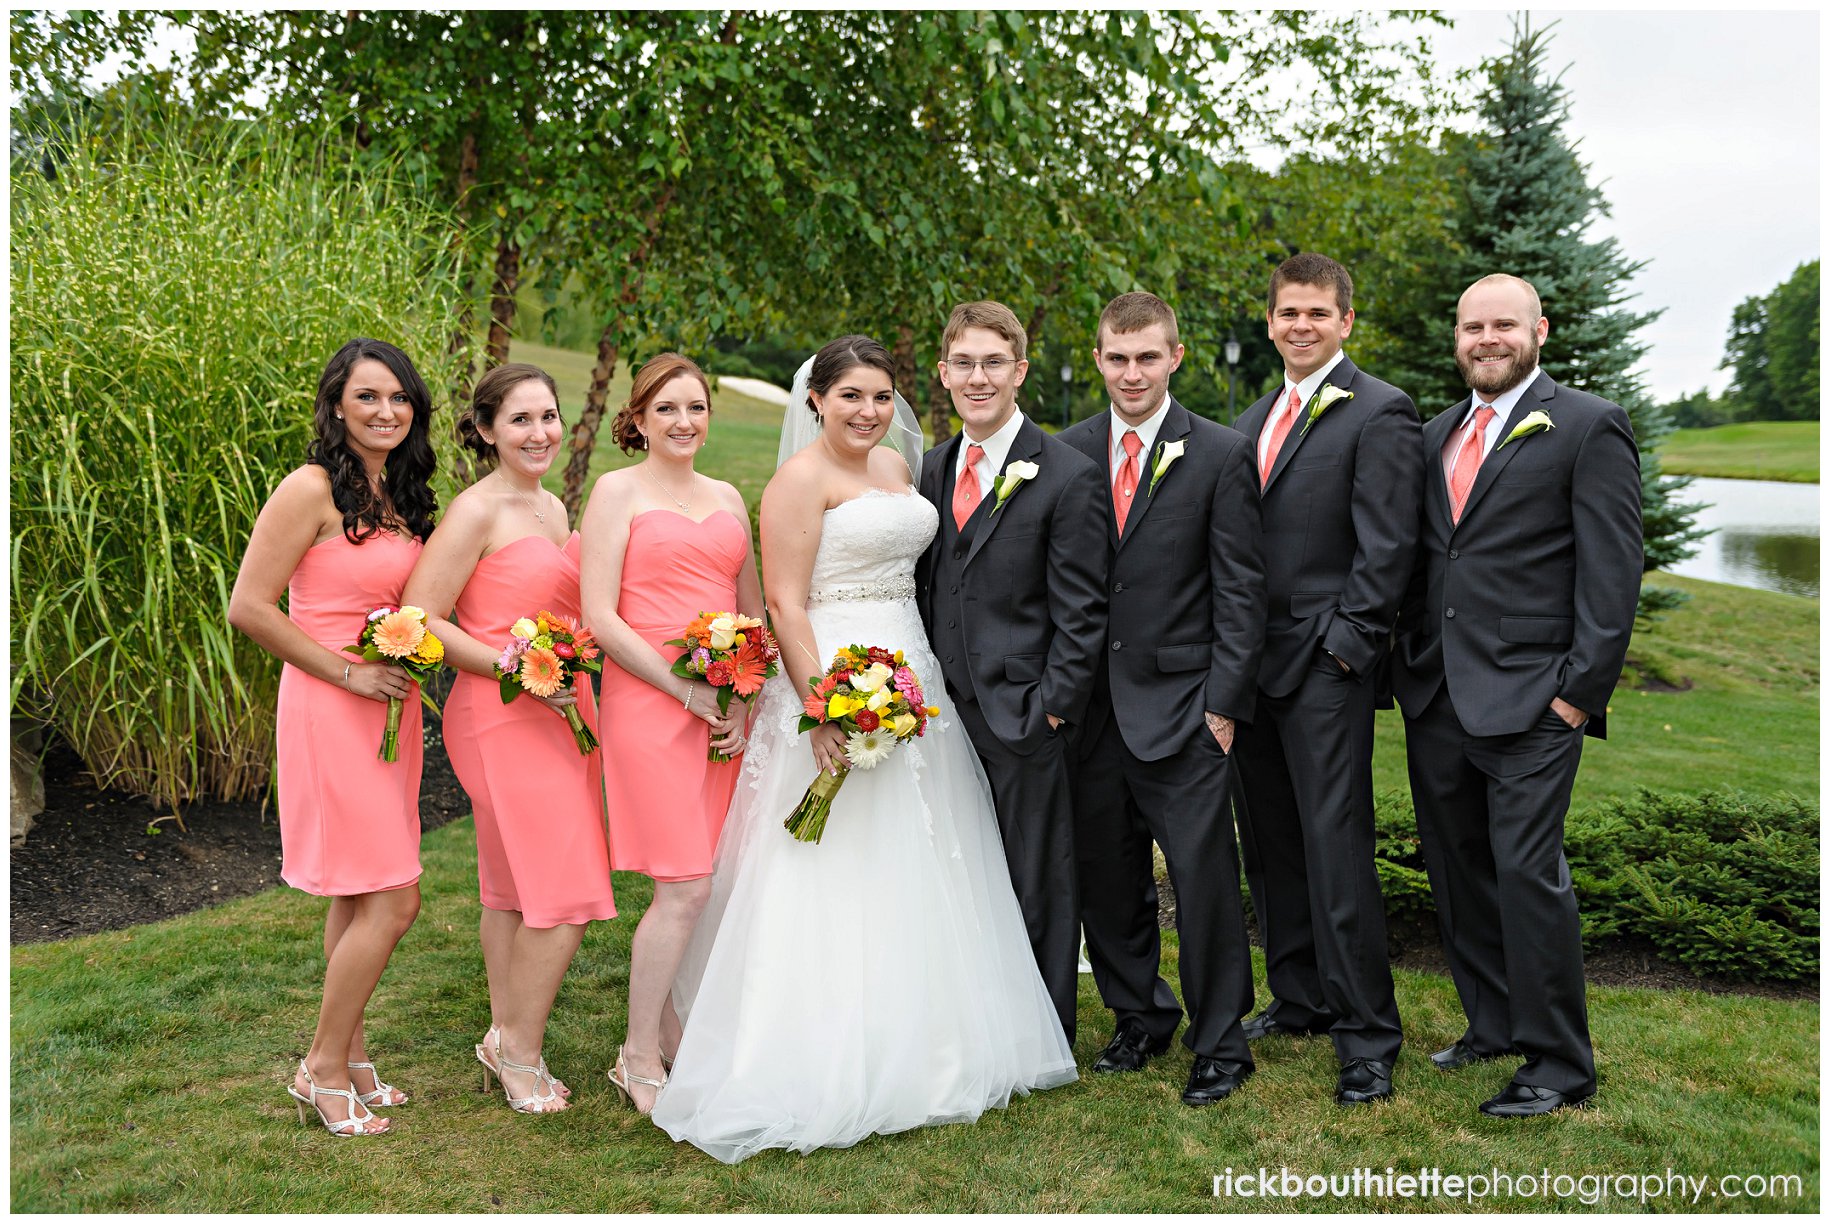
[{"x": 1525, "y": 205}]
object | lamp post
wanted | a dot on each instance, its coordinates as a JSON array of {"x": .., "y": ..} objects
[
  {"x": 1067, "y": 385},
  {"x": 1232, "y": 370}
]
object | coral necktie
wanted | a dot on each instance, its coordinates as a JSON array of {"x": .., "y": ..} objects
[
  {"x": 966, "y": 488},
  {"x": 1280, "y": 429},
  {"x": 1468, "y": 461},
  {"x": 1124, "y": 485}
]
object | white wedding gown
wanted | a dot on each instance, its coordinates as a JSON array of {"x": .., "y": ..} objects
[{"x": 881, "y": 979}]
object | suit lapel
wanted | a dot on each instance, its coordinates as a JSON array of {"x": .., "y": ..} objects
[
  {"x": 1026, "y": 445},
  {"x": 1251, "y": 422},
  {"x": 1540, "y": 390},
  {"x": 1095, "y": 442},
  {"x": 1341, "y": 376},
  {"x": 1436, "y": 435},
  {"x": 1175, "y": 427}
]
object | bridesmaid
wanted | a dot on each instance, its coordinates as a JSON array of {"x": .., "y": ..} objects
[
  {"x": 543, "y": 868},
  {"x": 661, "y": 545},
  {"x": 339, "y": 537}
]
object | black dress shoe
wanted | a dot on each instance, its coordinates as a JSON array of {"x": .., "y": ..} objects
[
  {"x": 1363, "y": 1081},
  {"x": 1130, "y": 1048},
  {"x": 1461, "y": 1054},
  {"x": 1264, "y": 1025},
  {"x": 1518, "y": 1100},
  {"x": 1212, "y": 1080}
]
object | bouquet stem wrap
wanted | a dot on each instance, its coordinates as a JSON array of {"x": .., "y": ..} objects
[
  {"x": 390, "y": 738},
  {"x": 808, "y": 820},
  {"x": 581, "y": 734}
]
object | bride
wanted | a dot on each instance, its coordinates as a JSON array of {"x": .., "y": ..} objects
[{"x": 880, "y": 979}]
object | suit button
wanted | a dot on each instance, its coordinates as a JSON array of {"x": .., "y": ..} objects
[
  {"x": 1118, "y": 645},
  {"x": 1449, "y": 613},
  {"x": 1117, "y": 587},
  {"x": 1453, "y": 554},
  {"x": 958, "y": 553},
  {"x": 953, "y": 590},
  {"x": 952, "y": 625}
]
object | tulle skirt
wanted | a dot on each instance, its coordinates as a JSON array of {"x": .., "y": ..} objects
[{"x": 877, "y": 981}]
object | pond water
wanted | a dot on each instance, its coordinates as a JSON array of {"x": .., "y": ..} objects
[{"x": 1766, "y": 534}]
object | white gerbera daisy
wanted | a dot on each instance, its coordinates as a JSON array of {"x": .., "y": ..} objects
[{"x": 869, "y": 749}]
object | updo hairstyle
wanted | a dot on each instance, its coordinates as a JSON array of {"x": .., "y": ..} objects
[
  {"x": 655, "y": 373},
  {"x": 487, "y": 397}
]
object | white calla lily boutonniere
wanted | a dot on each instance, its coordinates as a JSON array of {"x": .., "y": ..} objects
[
  {"x": 1325, "y": 399},
  {"x": 1536, "y": 421},
  {"x": 1166, "y": 454},
  {"x": 1015, "y": 473}
]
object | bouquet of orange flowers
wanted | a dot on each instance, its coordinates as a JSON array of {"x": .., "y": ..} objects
[
  {"x": 732, "y": 654},
  {"x": 399, "y": 635},
  {"x": 876, "y": 699},
  {"x": 544, "y": 657}
]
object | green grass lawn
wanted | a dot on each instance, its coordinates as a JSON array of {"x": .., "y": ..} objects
[
  {"x": 1748, "y": 718},
  {"x": 1752, "y": 450},
  {"x": 149, "y": 1070}
]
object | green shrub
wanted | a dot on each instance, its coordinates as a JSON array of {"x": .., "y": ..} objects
[
  {"x": 1720, "y": 882},
  {"x": 172, "y": 310}
]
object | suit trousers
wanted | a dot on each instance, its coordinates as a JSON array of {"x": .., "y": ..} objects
[
  {"x": 1490, "y": 814},
  {"x": 1034, "y": 803},
  {"x": 1308, "y": 839},
  {"x": 1182, "y": 803}
]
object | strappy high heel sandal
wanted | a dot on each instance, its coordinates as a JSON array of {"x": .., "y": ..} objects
[
  {"x": 353, "y": 1126},
  {"x": 621, "y": 1077},
  {"x": 377, "y": 1099},
  {"x": 545, "y": 1100},
  {"x": 489, "y": 1067}
]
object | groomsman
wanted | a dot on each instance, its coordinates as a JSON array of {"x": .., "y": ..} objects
[
  {"x": 1179, "y": 523},
  {"x": 1509, "y": 647},
  {"x": 1339, "y": 470},
  {"x": 1013, "y": 595}
]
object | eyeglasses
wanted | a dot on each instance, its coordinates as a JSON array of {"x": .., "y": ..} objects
[{"x": 994, "y": 367}]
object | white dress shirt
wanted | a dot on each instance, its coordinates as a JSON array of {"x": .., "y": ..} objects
[
  {"x": 1304, "y": 390},
  {"x": 997, "y": 448},
  {"x": 1502, "y": 405},
  {"x": 1146, "y": 433}
]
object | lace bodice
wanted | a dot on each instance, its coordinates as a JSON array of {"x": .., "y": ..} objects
[{"x": 869, "y": 546}]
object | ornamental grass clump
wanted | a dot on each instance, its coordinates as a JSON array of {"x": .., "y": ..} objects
[{"x": 172, "y": 308}]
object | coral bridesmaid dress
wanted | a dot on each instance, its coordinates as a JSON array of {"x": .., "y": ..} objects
[
  {"x": 538, "y": 803},
  {"x": 349, "y": 823},
  {"x": 667, "y": 802}
]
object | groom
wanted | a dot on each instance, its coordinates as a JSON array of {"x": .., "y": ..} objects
[
  {"x": 1181, "y": 527},
  {"x": 1012, "y": 592}
]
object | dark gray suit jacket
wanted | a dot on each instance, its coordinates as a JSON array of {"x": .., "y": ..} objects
[
  {"x": 1340, "y": 527},
  {"x": 1187, "y": 612},
  {"x": 1032, "y": 594},
  {"x": 1532, "y": 595}
]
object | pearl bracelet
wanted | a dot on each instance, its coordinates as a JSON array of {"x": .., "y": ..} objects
[{"x": 688, "y": 703}]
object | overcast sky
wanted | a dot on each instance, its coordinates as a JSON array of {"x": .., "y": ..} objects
[{"x": 1703, "y": 130}]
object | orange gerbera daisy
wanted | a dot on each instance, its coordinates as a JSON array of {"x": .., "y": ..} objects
[
  {"x": 541, "y": 673},
  {"x": 747, "y": 670},
  {"x": 398, "y": 634},
  {"x": 814, "y": 706}
]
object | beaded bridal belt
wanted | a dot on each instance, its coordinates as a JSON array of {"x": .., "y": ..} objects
[{"x": 877, "y": 592}]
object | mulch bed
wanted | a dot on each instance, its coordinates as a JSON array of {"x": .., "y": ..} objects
[
  {"x": 95, "y": 861},
  {"x": 90, "y": 864}
]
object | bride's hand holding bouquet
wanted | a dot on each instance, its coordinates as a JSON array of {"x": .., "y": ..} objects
[{"x": 874, "y": 699}]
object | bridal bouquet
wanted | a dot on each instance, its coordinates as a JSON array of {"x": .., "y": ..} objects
[
  {"x": 399, "y": 635},
  {"x": 876, "y": 700},
  {"x": 731, "y": 653},
  {"x": 544, "y": 657}
]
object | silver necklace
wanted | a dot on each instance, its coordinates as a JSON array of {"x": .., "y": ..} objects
[
  {"x": 686, "y": 507},
  {"x": 538, "y": 514}
]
